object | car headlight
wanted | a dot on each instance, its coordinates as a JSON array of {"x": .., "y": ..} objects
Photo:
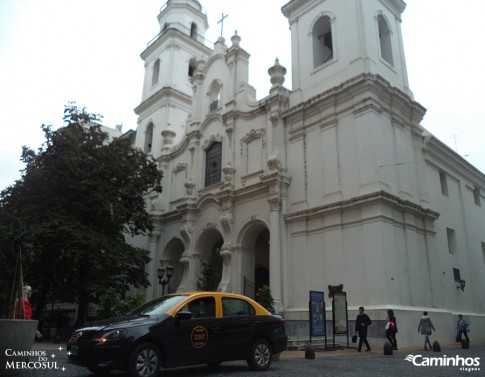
[{"x": 110, "y": 336}]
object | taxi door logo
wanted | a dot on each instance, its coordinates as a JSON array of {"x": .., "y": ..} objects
[{"x": 199, "y": 337}]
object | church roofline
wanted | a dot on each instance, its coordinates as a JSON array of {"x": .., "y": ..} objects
[{"x": 435, "y": 149}]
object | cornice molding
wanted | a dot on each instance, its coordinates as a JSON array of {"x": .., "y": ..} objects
[
  {"x": 380, "y": 196},
  {"x": 166, "y": 92}
]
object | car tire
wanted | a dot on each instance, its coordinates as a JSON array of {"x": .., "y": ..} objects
[
  {"x": 261, "y": 355},
  {"x": 101, "y": 371},
  {"x": 145, "y": 361}
]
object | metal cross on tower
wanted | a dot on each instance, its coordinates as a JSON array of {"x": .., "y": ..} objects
[{"x": 221, "y": 21}]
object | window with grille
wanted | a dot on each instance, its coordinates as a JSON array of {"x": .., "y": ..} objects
[{"x": 213, "y": 160}]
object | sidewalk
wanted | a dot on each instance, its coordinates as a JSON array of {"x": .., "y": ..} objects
[{"x": 323, "y": 353}]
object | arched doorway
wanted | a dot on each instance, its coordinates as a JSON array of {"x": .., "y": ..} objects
[
  {"x": 173, "y": 253},
  {"x": 208, "y": 247},
  {"x": 261, "y": 260},
  {"x": 255, "y": 260}
]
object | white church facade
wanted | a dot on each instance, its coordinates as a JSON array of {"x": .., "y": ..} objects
[{"x": 332, "y": 182}]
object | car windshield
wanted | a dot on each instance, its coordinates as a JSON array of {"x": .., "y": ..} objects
[{"x": 158, "y": 306}]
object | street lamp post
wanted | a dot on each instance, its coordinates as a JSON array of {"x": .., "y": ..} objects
[{"x": 164, "y": 275}]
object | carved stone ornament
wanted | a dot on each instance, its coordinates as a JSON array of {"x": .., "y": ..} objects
[
  {"x": 212, "y": 139},
  {"x": 179, "y": 167},
  {"x": 252, "y": 135},
  {"x": 186, "y": 231},
  {"x": 273, "y": 161},
  {"x": 209, "y": 226},
  {"x": 226, "y": 253},
  {"x": 189, "y": 187},
  {"x": 235, "y": 39},
  {"x": 155, "y": 202},
  {"x": 226, "y": 221},
  {"x": 277, "y": 73},
  {"x": 228, "y": 172},
  {"x": 167, "y": 136}
]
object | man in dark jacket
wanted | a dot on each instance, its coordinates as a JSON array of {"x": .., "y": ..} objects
[{"x": 361, "y": 324}]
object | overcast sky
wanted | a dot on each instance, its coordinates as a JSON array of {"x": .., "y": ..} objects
[{"x": 88, "y": 51}]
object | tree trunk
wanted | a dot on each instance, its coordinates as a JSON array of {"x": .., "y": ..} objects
[{"x": 82, "y": 311}]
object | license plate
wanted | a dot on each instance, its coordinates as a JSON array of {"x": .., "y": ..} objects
[{"x": 74, "y": 350}]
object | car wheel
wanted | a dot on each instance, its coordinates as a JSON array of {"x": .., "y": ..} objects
[
  {"x": 101, "y": 371},
  {"x": 261, "y": 356},
  {"x": 145, "y": 361}
]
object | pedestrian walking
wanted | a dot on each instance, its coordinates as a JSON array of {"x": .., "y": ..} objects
[
  {"x": 462, "y": 328},
  {"x": 391, "y": 329},
  {"x": 361, "y": 323},
  {"x": 426, "y": 328}
]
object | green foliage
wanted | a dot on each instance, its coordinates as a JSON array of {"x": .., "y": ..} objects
[
  {"x": 264, "y": 297},
  {"x": 111, "y": 304},
  {"x": 211, "y": 272},
  {"x": 78, "y": 197}
]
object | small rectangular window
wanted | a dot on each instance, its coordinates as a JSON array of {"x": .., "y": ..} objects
[
  {"x": 450, "y": 233},
  {"x": 483, "y": 251},
  {"x": 444, "y": 183},
  {"x": 476, "y": 196},
  {"x": 456, "y": 274}
]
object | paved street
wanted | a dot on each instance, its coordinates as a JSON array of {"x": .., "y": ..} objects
[{"x": 342, "y": 363}]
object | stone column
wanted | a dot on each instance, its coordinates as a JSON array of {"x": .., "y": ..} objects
[
  {"x": 275, "y": 278},
  {"x": 151, "y": 268}
]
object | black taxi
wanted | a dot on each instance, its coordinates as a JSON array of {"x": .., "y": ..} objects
[{"x": 181, "y": 329}]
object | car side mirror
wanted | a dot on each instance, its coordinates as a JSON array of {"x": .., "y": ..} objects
[{"x": 183, "y": 316}]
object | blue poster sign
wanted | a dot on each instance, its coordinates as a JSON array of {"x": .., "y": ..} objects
[{"x": 317, "y": 313}]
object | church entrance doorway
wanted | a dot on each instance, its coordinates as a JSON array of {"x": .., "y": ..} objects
[
  {"x": 255, "y": 266},
  {"x": 173, "y": 253},
  {"x": 209, "y": 246}
]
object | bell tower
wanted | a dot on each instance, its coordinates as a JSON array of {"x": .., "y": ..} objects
[
  {"x": 333, "y": 41},
  {"x": 170, "y": 60}
]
